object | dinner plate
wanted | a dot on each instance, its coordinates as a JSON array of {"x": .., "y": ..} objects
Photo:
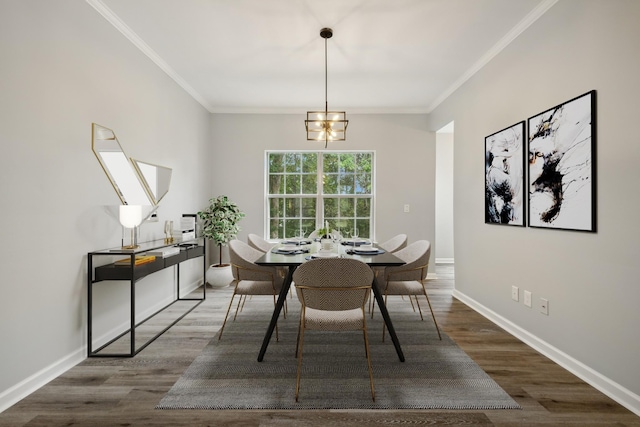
[
  {"x": 355, "y": 242},
  {"x": 363, "y": 249},
  {"x": 324, "y": 255},
  {"x": 289, "y": 247},
  {"x": 297, "y": 242},
  {"x": 374, "y": 252}
]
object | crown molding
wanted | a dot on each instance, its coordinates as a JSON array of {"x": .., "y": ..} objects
[
  {"x": 114, "y": 20},
  {"x": 505, "y": 41}
]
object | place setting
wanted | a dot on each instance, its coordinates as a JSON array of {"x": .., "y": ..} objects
[
  {"x": 290, "y": 249},
  {"x": 323, "y": 253},
  {"x": 355, "y": 241},
  {"x": 365, "y": 249},
  {"x": 297, "y": 241}
]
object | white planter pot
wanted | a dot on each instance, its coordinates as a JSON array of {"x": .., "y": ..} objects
[{"x": 219, "y": 276}]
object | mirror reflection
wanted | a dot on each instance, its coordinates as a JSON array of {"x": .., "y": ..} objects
[
  {"x": 155, "y": 178},
  {"x": 136, "y": 182},
  {"x": 113, "y": 160}
]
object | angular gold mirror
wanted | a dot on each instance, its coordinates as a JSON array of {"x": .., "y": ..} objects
[
  {"x": 156, "y": 179},
  {"x": 135, "y": 182}
]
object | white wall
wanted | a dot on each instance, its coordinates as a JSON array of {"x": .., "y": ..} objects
[
  {"x": 591, "y": 280},
  {"x": 444, "y": 197},
  {"x": 64, "y": 67},
  {"x": 405, "y": 160}
]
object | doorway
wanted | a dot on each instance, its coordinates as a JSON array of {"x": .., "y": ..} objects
[{"x": 444, "y": 253}]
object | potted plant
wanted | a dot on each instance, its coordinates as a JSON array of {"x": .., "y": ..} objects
[{"x": 220, "y": 225}]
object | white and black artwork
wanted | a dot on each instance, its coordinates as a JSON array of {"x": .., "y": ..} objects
[
  {"x": 504, "y": 176},
  {"x": 562, "y": 166}
]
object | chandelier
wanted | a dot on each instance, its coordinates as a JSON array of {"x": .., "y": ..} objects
[{"x": 326, "y": 125}]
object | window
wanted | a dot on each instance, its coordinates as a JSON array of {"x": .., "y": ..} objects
[{"x": 306, "y": 189}]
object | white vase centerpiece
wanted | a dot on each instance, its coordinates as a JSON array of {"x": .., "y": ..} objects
[{"x": 220, "y": 224}]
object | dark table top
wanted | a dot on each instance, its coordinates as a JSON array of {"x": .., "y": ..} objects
[{"x": 276, "y": 259}]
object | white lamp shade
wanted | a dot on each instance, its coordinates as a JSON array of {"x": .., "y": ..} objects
[{"x": 130, "y": 215}]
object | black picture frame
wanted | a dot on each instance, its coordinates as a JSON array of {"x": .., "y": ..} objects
[
  {"x": 504, "y": 167},
  {"x": 562, "y": 166}
]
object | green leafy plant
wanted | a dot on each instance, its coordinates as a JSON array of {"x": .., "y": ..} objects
[{"x": 220, "y": 221}]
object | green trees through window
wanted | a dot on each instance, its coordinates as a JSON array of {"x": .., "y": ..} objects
[{"x": 307, "y": 189}]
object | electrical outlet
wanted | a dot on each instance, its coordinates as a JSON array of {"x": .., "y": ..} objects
[
  {"x": 407, "y": 208},
  {"x": 527, "y": 298},
  {"x": 515, "y": 293},
  {"x": 544, "y": 306}
]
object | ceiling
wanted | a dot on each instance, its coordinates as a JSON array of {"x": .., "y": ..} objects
[{"x": 387, "y": 56}]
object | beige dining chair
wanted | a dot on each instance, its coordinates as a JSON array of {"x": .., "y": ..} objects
[
  {"x": 333, "y": 293},
  {"x": 265, "y": 246},
  {"x": 408, "y": 279},
  {"x": 392, "y": 245},
  {"x": 250, "y": 279},
  {"x": 395, "y": 243},
  {"x": 259, "y": 243}
]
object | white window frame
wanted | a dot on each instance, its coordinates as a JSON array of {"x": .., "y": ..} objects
[{"x": 320, "y": 196}]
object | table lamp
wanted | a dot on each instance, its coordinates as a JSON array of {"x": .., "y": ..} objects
[{"x": 131, "y": 217}]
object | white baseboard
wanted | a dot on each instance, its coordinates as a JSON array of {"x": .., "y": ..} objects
[
  {"x": 24, "y": 388},
  {"x": 444, "y": 261},
  {"x": 615, "y": 391}
]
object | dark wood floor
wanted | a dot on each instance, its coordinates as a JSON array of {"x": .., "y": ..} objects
[{"x": 124, "y": 392}]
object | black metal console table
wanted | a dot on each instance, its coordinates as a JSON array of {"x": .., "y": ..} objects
[{"x": 132, "y": 273}]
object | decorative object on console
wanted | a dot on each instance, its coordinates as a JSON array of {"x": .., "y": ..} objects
[
  {"x": 168, "y": 232},
  {"x": 504, "y": 176},
  {"x": 562, "y": 159},
  {"x": 320, "y": 126},
  {"x": 188, "y": 226},
  {"x": 220, "y": 224},
  {"x": 131, "y": 217}
]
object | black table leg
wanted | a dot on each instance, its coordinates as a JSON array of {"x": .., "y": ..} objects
[
  {"x": 387, "y": 319},
  {"x": 276, "y": 312}
]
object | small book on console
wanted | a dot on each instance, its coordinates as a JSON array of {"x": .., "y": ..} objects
[{"x": 140, "y": 259}]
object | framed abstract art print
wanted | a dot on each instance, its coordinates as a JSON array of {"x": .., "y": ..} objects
[
  {"x": 504, "y": 176},
  {"x": 562, "y": 159}
]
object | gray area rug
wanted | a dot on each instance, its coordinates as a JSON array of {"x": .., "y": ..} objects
[{"x": 436, "y": 374}]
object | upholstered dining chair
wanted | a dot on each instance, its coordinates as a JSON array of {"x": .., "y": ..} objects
[
  {"x": 333, "y": 293},
  {"x": 250, "y": 279},
  {"x": 409, "y": 278},
  {"x": 259, "y": 243},
  {"x": 395, "y": 243},
  {"x": 264, "y": 246}
]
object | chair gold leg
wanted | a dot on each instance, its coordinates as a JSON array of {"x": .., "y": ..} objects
[
  {"x": 299, "y": 329},
  {"x": 433, "y": 315},
  {"x": 412, "y": 306},
  {"x": 238, "y": 308},
  {"x": 299, "y": 362},
  {"x": 226, "y": 316},
  {"x": 419, "y": 308},
  {"x": 368, "y": 353}
]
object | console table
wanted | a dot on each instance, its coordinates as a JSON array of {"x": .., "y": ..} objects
[{"x": 129, "y": 271}]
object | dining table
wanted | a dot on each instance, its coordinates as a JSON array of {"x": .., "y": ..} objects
[{"x": 288, "y": 256}]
